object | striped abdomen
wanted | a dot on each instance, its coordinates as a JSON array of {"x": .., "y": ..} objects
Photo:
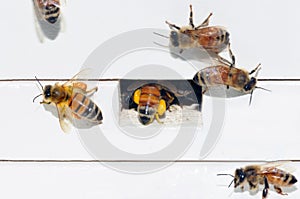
[
  {"x": 222, "y": 75},
  {"x": 150, "y": 96},
  {"x": 85, "y": 108},
  {"x": 281, "y": 178},
  {"x": 49, "y": 10},
  {"x": 212, "y": 76},
  {"x": 214, "y": 39},
  {"x": 148, "y": 103}
]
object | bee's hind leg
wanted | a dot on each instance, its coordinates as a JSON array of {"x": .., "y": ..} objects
[
  {"x": 253, "y": 187},
  {"x": 80, "y": 85},
  {"x": 92, "y": 91},
  {"x": 191, "y": 17},
  {"x": 205, "y": 22},
  {"x": 266, "y": 189},
  {"x": 279, "y": 191}
]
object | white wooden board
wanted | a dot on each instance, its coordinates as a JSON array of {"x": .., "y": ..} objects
[{"x": 38, "y": 151}]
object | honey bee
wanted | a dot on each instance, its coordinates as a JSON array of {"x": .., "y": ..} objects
[
  {"x": 212, "y": 38},
  {"x": 48, "y": 19},
  {"x": 48, "y": 9},
  {"x": 152, "y": 101},
  {"x": 265, "y": 174},
  {"x": 72, "y": 101},
  {"x": 229, "y": 76}
]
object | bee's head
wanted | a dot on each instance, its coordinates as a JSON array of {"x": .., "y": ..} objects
[
  {"x": 250, "y": 85},
  {"x": 174, "y": 39},
  {"x": 239, "y": 177},
  {"x": 146, "y": 114}
]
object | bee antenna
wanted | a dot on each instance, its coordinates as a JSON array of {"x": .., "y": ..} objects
[
  {"x": 230, "y": 183},
  {"x": 39, "y": 82},
  {"x": 251, "y": 97},
  {"x": 36, "y": 97},
  {"x": 263, "y": 88},
  {"x": 160, "y": 45},
  {"x": 164, "y": 36},
  {"x": 225, "y": 174}
]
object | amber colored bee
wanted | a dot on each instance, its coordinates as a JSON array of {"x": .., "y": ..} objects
[
  {"x": 265, "y": 174},
  {"x": 212, "y": 38},
  {"x": 48, "y": 9},
  {"x": 72, "y": 101},
  {"x": 152, "y": 101},
  {"x": 229, "y": 76}
]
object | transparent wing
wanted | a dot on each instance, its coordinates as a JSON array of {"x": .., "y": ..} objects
[
  {"x": 80, "y": 76},
  {"x": 37, "y": 18},
  {"x": 270, "y": 167},
  {"x": 65, "y": 117}
]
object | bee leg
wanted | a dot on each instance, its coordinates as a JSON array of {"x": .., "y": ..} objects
[
  {"x": 204, "y": 23},
  {"x": 92, "y": 91},
  {"x": 181, "y": 51},
  {"x": 157, "y": 118},
  {"x": 45, "y": 102},
  {"x": 255, "y": 69},
  {"x": 172, "y": 26},
  {"x": 253, "y": 187},
  {"x": 80, "y": 85},
  {"x": 162, "y": 107},
  {"x": 231, "y": 56},
  {"x": 204, "y": 91},
  {"x": 279, "y": 191},
  {"x": 224, "y": 61},
  {"x": 191, "y": 17},
  {"x": 136, "y": 96},
  {"x": 265, "y": 190}
]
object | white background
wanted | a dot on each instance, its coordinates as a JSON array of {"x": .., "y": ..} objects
[{"x": 264, "y": 32}]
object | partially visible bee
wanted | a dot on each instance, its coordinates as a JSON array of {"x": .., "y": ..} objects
[
  {"x": 265, "y": 174},
  {"x": 152, "y": 101},
  {"x": 48, "y": 9},
  {"x": 72, "y": 101},
  {"x": 47, "y": 18},
  {"x": 229, "y": 76},
  {"x": 212, "y": 38}
]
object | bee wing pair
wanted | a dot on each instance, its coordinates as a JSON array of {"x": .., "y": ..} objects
[{"x": 271, "y": 166}]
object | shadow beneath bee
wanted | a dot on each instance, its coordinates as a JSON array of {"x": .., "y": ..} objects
[
  {"x": 222, "y": 91},
  {"x": 286, "y": 190},
  {"x": 195, "y": 54},
  {"x": 50, "y": 31}
]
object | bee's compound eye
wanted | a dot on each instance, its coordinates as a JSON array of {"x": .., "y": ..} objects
[
  {"x": 240, "y": 176},
  {"x": 250, "y": 85},
  {"x": 174, "y": 38},
  {"x": 47, "y": 91}
]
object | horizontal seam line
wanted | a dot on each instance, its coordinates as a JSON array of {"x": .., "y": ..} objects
[
  {"x": 134, "y": 161},
  {"x": 116, "y": 80}
]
